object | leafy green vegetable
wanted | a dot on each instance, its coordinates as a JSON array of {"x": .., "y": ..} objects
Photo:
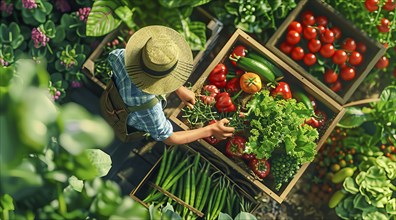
[
  {"x": 370, "y": 192},
  {"x": 279, "y": 123},
  {"x": 256, "y": 16}
]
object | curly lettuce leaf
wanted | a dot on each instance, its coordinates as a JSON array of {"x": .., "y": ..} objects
[{"x": 279, "y": 123}]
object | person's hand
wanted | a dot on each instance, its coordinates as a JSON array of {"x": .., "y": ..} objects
[
  {"x": 220, "y": 131},
  {"x": 187, "y": 96}
]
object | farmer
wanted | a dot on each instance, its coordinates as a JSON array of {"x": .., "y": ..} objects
[{"x": 156, "y": 61}]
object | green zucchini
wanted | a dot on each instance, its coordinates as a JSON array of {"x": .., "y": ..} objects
[
  {"x": 301, "y": 97},
  {"x": 278, "y": 73},
  {"x": 257, "y": 67}
]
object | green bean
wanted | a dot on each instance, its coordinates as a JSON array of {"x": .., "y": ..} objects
[
  {"x": 220, "y": 195},
  {"x": 175, "y": 172},
  {"x": 223, "y": 196},
  {"x": 206, "y": 194},
  {"x": 202, "y": 184},
  {"x": 172, "y": 178},
  {"x": 187, "y": 191},
  {"x": 167, "y": 167},
  {"x": 180, "y": 192},
  {"x": 211, "y": 201},
  {"x": 162, "y": 167},
  {"x": 173, "y": 191}
]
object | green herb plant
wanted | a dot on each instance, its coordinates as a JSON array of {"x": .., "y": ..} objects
[
  {"x": 50, "y": 160},
  {"x": 259, "y": 17},
  {"x": 107, "y": 15}
]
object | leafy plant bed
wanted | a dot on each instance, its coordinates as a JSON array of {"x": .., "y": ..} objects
[
  {"x": 326, "y": 49},
  {"x": 98, "y": 70},
  {"x": 253, "y": 114},
  {"x": 192, "y": 185}
]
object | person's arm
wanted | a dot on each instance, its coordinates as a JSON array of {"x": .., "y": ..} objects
[
  {"x": 218, "y": 130},
  {"x": 187, "y": 96}
]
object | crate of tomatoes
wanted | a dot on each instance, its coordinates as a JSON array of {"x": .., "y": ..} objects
[
  {"x": 281, "y": 118},
  {"x": 325, "y": 48},
  {"x": 193, "y": 185}
]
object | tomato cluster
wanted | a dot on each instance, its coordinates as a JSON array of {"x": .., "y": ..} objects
[
  {"x": 313, "y": 40},
  {"x": 384, "y": 25}
]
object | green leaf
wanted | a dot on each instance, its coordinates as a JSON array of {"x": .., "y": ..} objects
[
  {"x": 82, "y": 131},
  {"x": 39, "y": 15},
  {"x": 101, "y": 20},
  {"x": 76, "y": 184},
  {"x": 100, "y": 160},
  {"x": 354, "y": 117},
  {"x": 6, "y": 202},
  {"x": 49, "y": 29},
  {"x": 129, "y": 209},
  {"x": 224, "y": 216},
  {"x": 6, "y": 74},
  {"x": 180, "y": 3},
  {"x": 245, "y": 216},
  {"x": 125, "y": 14},
  {"x": 369, "y": 215},
  {"x": 59, "y": 34},
  {"x": 350, "y": 185},
  {"x": 391, "y": 207},
  {"x": 388, "y": 94}
]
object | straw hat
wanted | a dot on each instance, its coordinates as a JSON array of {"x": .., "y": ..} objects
[{"x": 158, "y": 59}]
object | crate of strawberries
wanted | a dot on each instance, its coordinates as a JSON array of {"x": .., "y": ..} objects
[
  {"x": 325, "y": 48},
  {"x": 281, "y": 119}
]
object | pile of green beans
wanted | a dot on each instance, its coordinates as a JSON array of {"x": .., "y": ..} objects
[{"x": 195, "y": 181}]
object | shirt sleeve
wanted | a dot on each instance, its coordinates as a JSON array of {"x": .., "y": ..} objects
[{"x": 154, "y": 122}]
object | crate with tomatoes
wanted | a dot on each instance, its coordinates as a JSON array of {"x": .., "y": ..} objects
[
  {"x": 280, "y": 118},
  {"x": 326, "y": 48}
]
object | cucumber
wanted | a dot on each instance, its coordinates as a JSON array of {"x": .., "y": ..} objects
[
  {"x": 342, "y": 174},
  {"x": 255, "y": 66},
  {"x": 278, "y": 73},
  {"x": 336, "y": 198},
  {"x": 301, "y": 97}
]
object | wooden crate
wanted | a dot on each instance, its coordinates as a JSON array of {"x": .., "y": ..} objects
[
  {"x": 147, "y": 183},
  {"x": 213, "y": 26},
  {"x": 374, "y": 49},
  {"x": 334, "y": 110}
]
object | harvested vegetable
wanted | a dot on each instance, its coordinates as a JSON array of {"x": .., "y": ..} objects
[
  {"x": 284, "y": 167},
  {"x": 250, "y": 82}
]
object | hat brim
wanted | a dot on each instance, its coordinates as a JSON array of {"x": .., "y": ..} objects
[{"x": 154, "y": 84}]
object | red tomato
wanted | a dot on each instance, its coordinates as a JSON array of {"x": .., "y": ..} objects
[
  {"x": 285, "y": 47},
  {"x": 327, "y": 50},
  {"x": 336, "y": 86},
  {"x": 371, "y": 5},
  {"x": 327, "y": 37},
  {"x": 383, "y": 27},
  {"x": 309, "y": 33},
  {"x": 314, "y": 45},
  {"x": 330, "y": 76},
  {"x": 309, "y": 59},
  {"x": 361, "y": 47},
  {"x": 321, "y": 20},
  {"x": 308, "y": 18},
  {"x": 349, "y": 44},
  {"x": 337, "y": 32},
  {"x": 321, "y": 29},
  {"x": 382, "y": 63},
  {"x": 297, "y": 53},
  {"x": 293, "y": 37},
  {"x": 295, "y": 26},
  {"x": 348, "y": 73},
  {"x": 240, "y": 51},
  {"x": 390, "y": 5},
  {"x": 339, "y": 57},
  {"x": 355, "y": 58}
]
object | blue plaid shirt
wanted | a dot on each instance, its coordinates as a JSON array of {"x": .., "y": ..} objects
[{"x": 151, "y": 120}]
